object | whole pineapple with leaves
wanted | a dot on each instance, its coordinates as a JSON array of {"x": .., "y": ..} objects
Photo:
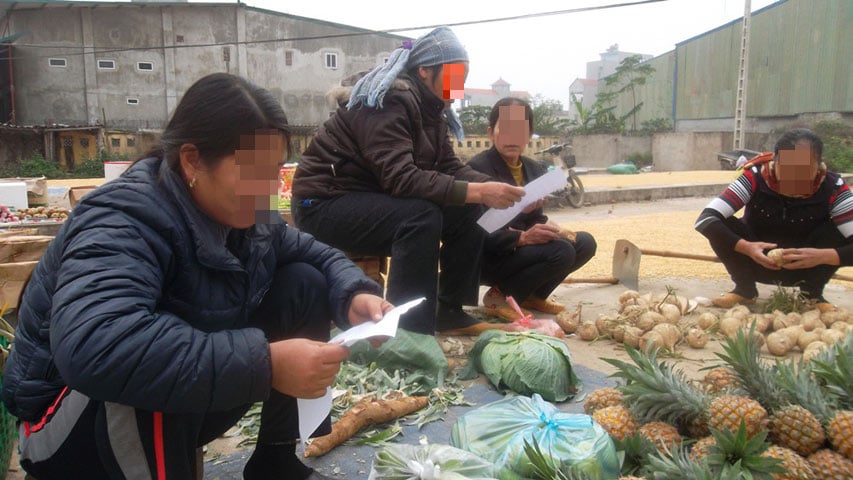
[
  {"x": 654, "y": 391},
  {"x": 782, "y": 389},
  {"x": 719, "y": 380}
]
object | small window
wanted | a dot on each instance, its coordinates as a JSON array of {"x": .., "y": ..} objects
[
  {"x": 144, "y": 66},
  {"x": 106, "y": 64},
  {"x": 488, "y": 144},
  {"x": 84, "y": 142},
  {"x": 469, "y": 143},
  {"x": 179, "y": 39},
  {"x": 130, "y": 142},
  {"x": 57, "y": 62},
  {"x": 478, "y": 144},
  {"x": 133, "y": 101},
  {"x": 332, "y": 60},
  {"x": 459, "y": 144},
  {"x": 115, "y": 142},
  {"x": 288, "y": 58}
]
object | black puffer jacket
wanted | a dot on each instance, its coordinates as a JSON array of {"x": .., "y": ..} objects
[
  {"x": 140, "y": 301},
  {"x": 401, "y": 149}
]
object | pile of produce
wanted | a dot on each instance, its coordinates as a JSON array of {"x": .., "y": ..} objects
[
  {"x": 668, "y": 321},
  {"x": 748, "y": 418},
  {"x": 43, "y": 213},
  {"x": 7, "y": 216}
]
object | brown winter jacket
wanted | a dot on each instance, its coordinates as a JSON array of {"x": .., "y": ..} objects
[{"x": 401, "y": 149}]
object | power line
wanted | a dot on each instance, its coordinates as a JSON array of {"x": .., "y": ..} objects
[{"x": 95, "y": 50}]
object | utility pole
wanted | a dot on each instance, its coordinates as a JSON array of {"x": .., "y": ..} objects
[{"x": 740, "y": 104}]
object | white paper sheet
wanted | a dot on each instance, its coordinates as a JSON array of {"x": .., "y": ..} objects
[
  {"x": 553, "y": 181},
  {"x": 312, "y": 411}
]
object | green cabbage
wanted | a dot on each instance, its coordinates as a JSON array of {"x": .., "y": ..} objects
[{"x": 526, "y": 363}]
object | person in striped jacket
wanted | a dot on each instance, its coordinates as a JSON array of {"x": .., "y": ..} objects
[{"x": 790, "y": 202}]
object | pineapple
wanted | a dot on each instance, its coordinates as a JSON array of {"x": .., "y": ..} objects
[
  {"x": 617, "y": 421},
  {"x": 795, "y": 466},
  {"x": 829, "y": 465},
  {"x": 840, "y": 431},
  {"x": 702, "y": 448},
  {"x": 788, "y": 392},
  {"x": 834, "y": 368},
  {"x": 663, "y": 435},
  {"x": 600, "y": 398},
  {"x": 719, "y": 380},
  {"x": 655, "y": 391},
  {"x": 726, "y": 411},
  {"x": 731, "y": 456},
  {"x": 797, "y": 429}
]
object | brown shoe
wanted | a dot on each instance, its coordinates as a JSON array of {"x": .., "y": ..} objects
[
  {"x": 504, "y": 313},
  {"x": 544, "y": 305},
  {"x": 825, "y": 307},
  {"x": 494, "y": 304},
  {"x": 728, "y": 300}
]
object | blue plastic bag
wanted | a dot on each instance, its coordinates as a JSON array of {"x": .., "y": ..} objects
[{"x": 498, "y": 431}]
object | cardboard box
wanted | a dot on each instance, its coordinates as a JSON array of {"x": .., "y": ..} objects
[
  {"x": 13, "y": 277},
  {"x": 23, "y": 248},
  {"x": 76, "y": 193}
]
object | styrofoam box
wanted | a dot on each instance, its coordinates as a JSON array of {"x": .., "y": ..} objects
[
  {"x": 14, "y": 194},
  {"x": 113, "y": 170}
]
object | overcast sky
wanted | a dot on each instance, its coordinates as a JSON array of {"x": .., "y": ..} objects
[{"x": 543, "y": 54}]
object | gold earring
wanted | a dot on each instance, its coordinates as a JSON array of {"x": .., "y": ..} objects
[{"x": 192, "y": 182}]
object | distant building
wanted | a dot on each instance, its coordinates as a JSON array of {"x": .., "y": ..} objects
[
  {"x": 488, "y": 97},
  {"x": 126, "y": 64},
  {"x": 586, "y": 89}
]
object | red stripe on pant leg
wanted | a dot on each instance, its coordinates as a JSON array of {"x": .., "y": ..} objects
[{"x": 159, "y": 452}]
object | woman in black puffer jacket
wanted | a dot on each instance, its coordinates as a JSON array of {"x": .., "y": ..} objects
[{"x": 172, "y": 299}]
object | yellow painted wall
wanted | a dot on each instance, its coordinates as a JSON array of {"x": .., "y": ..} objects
[{"x": 83, "y": 145}]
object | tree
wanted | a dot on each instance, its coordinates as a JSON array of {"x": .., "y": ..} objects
[
  {"x": 596, "y": 119},
  {"x": 630, "y": 73},
  {"x": 475, "y": 119},
  {"x": 549, "y": 116}
]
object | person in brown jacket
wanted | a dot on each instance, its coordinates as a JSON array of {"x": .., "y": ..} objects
[{"x": 381, "y": 178}]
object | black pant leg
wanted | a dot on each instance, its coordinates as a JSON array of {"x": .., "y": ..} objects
[
  {"x": 460, "y": 259},
  {"x": 408, "y": 230},
  {"x": 296, "y": 306}
]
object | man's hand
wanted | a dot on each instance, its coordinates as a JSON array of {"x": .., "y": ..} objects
[
  {"x": 799, "y": 258},
  {"x": 539, "y": 234},
  {"x": 303, "y": 368},
  {"x": 755, "y": 251},
  {"x": 494, "y": 194}
]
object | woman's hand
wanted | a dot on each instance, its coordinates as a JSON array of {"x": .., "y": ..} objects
[
  {"x": 539, "y": 234},
  {"x": 755, "y": 251},
  {"x": 799, "y": 258},
  {"x": 303, "y": 368},
  {"x": 366, "y": 307}
]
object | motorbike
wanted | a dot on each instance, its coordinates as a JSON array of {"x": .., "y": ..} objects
[{"x": 573, "y": 193}]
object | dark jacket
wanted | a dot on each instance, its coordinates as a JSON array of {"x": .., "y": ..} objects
[
  {"x": 504, "y": 240},
  {"x": 139, "y": 300},
  {"x": 401, "y": 149}
]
